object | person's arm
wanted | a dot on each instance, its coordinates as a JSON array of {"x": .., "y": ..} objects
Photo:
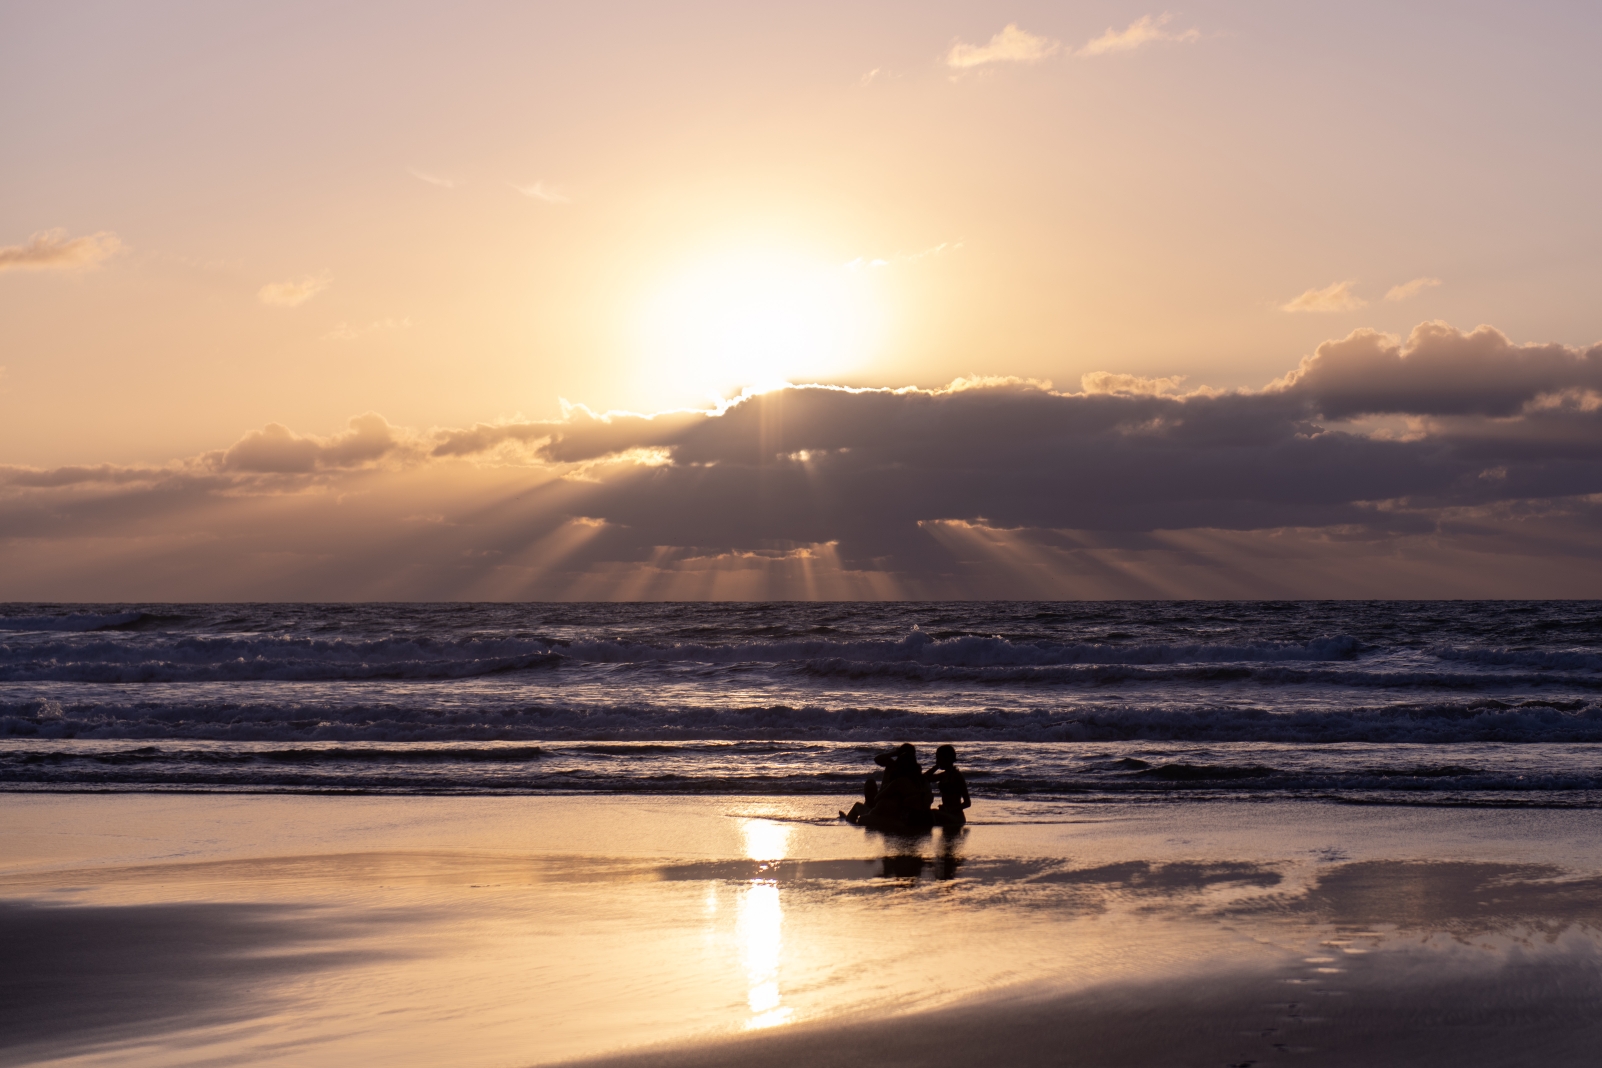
[{"x": 962, "y": 782}]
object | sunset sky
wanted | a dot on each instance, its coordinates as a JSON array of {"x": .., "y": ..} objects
[{"x": 500, "y": 301}]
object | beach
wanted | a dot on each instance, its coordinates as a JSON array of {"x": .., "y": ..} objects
[
  {"x": 845, "y": 535},
  {"x": 188, "y": 929},
  {"x": 1204, "y": 834}
]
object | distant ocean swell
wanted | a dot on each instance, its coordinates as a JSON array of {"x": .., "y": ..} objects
[
  {"x": 1476, "y": 720},
  {"x": 1460, "y": 703},
  {"x": 192, "y": 658},
  {"x": 183, "y": 657},
  {"x": 1489, "y": 774}
]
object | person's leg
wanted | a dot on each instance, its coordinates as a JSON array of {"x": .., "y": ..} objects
[{"x": 870, "y": 791}]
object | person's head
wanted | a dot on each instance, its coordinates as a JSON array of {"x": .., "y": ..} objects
[
  {"x": 946, "y": 756},
  {"x": 906, "y": 760}
]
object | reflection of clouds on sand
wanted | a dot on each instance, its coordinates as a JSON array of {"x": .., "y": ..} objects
[
  {"x": 1464, "y": 900},
  {"x": 760, "y": 927},
  {"x": 83, "y": 978},
  {"x": 541, "y": 930}
]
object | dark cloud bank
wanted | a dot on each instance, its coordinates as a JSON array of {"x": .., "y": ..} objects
[{"x": 1450, "y": 464}]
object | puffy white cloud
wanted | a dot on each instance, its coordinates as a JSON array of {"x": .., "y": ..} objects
[
  {"x": 1337, "y": 297},
  {"x": 1011, "y": 45},
  {"x": 1147, "y": 29},
  {"x": 53, "y": 250},
  {"x": 295, "y": 293},
  {"x": 1411, "y": 289}
]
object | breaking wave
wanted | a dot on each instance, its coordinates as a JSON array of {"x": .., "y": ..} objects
[
  {"x": 1488, "y": 774},
  {"x": 751, "y": 698},
  {"x": 918, "y": 656},
  {"x": 1478, "y": 720}
]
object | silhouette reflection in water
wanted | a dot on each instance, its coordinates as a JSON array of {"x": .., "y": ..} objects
[{"x": 912, "y": 864}]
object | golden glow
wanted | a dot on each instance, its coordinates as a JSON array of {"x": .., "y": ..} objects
[
  {"x": 760, "y": 928},
  {"x": 766, "y": 840},
  {"x": 758, "y": 320}
]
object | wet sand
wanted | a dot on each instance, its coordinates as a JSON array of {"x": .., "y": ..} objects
[{"x": 218, "y": 929}]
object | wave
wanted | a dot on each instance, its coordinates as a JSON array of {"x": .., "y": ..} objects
[
  {"x": 150, "y": 754},
  {"x": 966, "y": 651},
  {"x": 196, "y": 658},
  {"x": 1003, "y": 771},
  {"x": 1551, "y": 660},
  {"x": 1475, "y": 720},
  {"x": 1272, "y": 675},
  {"x": 78, "y": 648},
  {"x": 80, "y": 622},
  {"x": 917, "y": 657}
]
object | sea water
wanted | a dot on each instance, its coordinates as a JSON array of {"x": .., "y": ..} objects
[{"x": 1461, "y": 703}]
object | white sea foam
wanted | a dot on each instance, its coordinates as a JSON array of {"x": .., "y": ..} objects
[
  {"x": 380, "y": 683},
  {"x": 1500, "y": 774}
]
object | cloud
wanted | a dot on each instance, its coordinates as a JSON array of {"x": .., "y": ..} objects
[
  {"x": 1143, "y": 31},
  {"x": 1439, "y": 371},
  {"x": 275, "y": 449},
  {"x": 431, "y": 179},
  {"x": 1411, "y": 289},
  {"x": 582, "y": 435},
  {"x": 541, "y": 191},
  {"x": 1108, "y": 382},
  {"x": 1011, "y": 45},
  {"x": 53, "y": 250},
  {"x": 346, "y": 332},
  {"x": 293, "y": 294},
  {"x": 985, "y": 488},
  {"x": 1337, "y": 297},
  {"x": 862, "y": 262}
]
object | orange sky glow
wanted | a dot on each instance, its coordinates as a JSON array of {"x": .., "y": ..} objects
[{"x": 627, "y": 301}]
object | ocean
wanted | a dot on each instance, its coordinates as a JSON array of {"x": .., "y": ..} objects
[{"x": 1420, "y": 703}]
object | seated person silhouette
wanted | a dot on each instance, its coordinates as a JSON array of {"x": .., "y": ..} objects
[
  {"x": 901, "y": 804},
  {"x": 870, "y": 788},
  {"x": 953, "y": 789}
]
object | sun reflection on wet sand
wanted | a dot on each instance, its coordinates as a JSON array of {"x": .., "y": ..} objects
[
  {"x": 561, "y": 929},
  {"x": 760, "y": 927}
]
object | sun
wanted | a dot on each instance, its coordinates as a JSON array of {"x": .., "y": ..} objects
[{"x": 759, "y": 320}]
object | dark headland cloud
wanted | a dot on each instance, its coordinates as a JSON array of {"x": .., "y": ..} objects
[{"x": 1447, "y": 464}]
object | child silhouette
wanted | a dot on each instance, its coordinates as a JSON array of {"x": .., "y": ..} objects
[{"x": 953, "y": 788}]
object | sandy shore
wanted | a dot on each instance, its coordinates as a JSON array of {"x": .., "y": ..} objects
[{"x": 218, "y": 929}]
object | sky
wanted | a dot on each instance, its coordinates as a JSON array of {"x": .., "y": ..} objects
[{"x": 505, "y": 301}]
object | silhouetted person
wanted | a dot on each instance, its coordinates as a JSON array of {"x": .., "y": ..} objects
[
  {"x": 953, "y": 789},
  {"x": 901, "y": 804},
  {"x": 870, "y": 788}
]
